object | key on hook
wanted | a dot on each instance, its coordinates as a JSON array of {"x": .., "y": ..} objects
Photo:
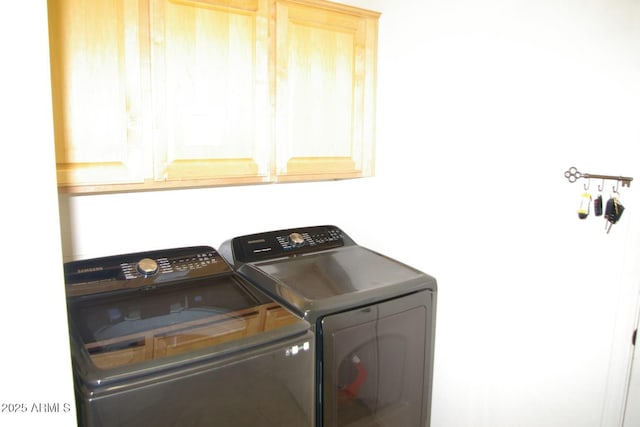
[{"x": 613, "y": 212}]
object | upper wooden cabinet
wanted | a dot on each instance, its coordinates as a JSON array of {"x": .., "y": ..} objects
[
  {"x": 210, "y": 89},
  {"x": 326, "y": 75},
  {"x": 96, "y": 74},
  {"x": 170, "y": 93}
]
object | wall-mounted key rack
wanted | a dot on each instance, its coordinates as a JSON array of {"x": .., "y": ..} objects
[
  {"x": 574, "y": 174},
  {"x": 612, "y": 209}
]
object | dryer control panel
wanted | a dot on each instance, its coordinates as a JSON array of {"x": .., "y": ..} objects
[
  {"x": 142, "y": 270},
  {"x": 294, "y": 241}
]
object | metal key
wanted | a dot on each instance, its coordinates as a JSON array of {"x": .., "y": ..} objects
[{"x": 613, "y": 212}]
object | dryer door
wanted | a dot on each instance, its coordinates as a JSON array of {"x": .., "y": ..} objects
[{"x": 376, "y": 364}]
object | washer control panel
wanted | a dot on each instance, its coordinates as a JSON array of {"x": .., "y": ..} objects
[
  {"x": 142, "y": 269},
  {"x": 147, "y": 267},
  {"x": 273, "y": 244}
]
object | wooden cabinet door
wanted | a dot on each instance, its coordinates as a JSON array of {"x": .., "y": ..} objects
[
  {"x": 211, "y": 90},
  {"x": 325, "y": 90},
  {"x": 95, "y": 48}
]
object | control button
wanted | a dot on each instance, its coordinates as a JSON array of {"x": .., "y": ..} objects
[
  {"x": 296, "y": 239},
  {"x": 147, "y": 266}
]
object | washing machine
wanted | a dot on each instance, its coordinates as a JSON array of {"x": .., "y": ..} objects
[
  {"x": 176, "y": 338},
  {"x": 373, "y": 319}
]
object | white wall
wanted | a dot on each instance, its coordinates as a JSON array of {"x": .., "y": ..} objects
[
  {"x": 482, "y": 107},
  {"x": 35, "y": 367}
]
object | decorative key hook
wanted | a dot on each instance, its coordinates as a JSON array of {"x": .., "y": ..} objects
[{"x": 573, "y": 174}]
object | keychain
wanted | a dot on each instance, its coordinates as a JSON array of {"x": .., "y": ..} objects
[
  {"x": 612, "y": 212},
  {"x": 597, "y": 205},
  {"x": 597, "y": 202},
  {"x": 585, "y": 205}
]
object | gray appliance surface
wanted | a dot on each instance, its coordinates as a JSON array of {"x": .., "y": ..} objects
[
  {"x": 314, "y": 281},
  {"x": 198, "y": 347},
  {"x": 259, "y": 386},
  {"x": 373, "y": 316},
  {"x": 319, "y": 283},
  {"x": 388, "y": 346}
]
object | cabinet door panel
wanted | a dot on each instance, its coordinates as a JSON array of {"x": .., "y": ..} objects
[
  {"x": 95, "y": 68},
  {"x": 326, "y": 77},
  {"x": 210, "y": 73}
]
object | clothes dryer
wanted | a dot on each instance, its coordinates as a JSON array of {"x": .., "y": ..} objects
[{"x": 373, "y": 319}]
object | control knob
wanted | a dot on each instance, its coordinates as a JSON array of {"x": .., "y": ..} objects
[
  {"x": 147, "y": 266},
  {"x": 296, "y": 239}
]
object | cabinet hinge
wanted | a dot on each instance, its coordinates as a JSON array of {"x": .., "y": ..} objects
[{"x": 633, "y": 337}]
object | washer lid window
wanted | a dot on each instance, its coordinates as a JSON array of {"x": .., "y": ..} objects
[{"x": 122, "y": 330}]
